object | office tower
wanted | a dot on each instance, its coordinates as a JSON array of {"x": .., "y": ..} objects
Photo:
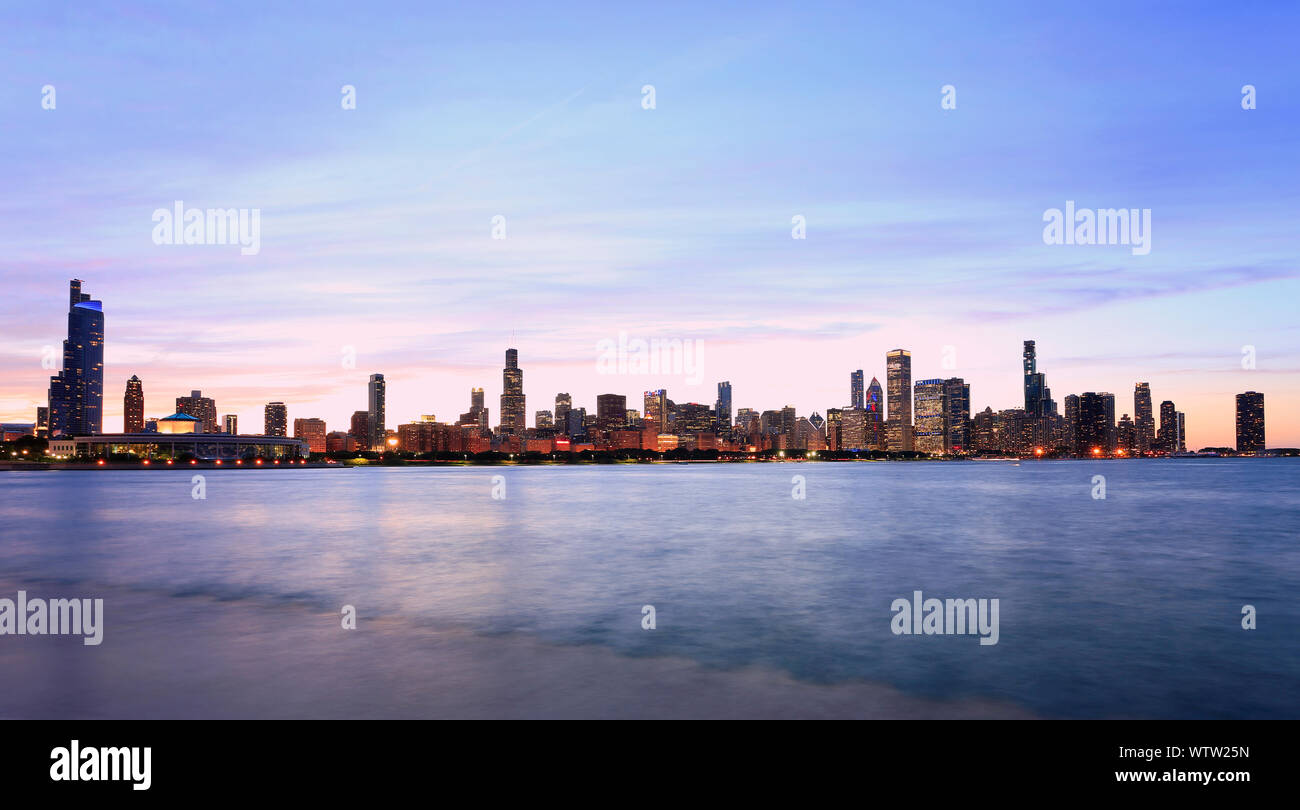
[
  {"x": 1167, "y": 438},
  {"x": 230, "y": 424},
  {"x": 133, "y": 406},
  {"x": 1108, "y": 401},
  {"x": 201, "y": 408},
  {"x": 655, "y": 405},
  {"x": 856, "y": 392},
  {"x": 476, "y": 416},
  {"x": 853, "y": 429},
  {"x": 359, "y": 430},
  {"x": 834, "y": 426},
  {"x": 1033, "y": 381},
  {"x": 275, "y": 419},
  {"x": 76, "y": 394},
  {"x": 544, "y": 420},
  {"x": 693, "y": 418},
  {"x": 1126, "y": 433},
  {"x": 1180, "y": 427},
  {"x": 611, "y": 411},
  {"x": 898, "y": 378},
  {"x": 956, "y": 393},
  {"x": 513, "y": 417},
  {"x": 982, "y": 436},
  {"x": 1071, "y": 437},
  {"x": 723, "y": 409},
  {"x": 42, "y": 421},
  {"x": 563, "y": 402},
  {"x": 1096, "y": 423},
  {"x": 875, "y": 407},
  {"x": 1250, "y": 422},
  {"x": 377, "y": 392},
  {"x": 577, "y": 423},
  {"x": 633, "y": 419},
  {"x": 1144, "y": 424},
  {"x": 817, "y": 421},
  {"x": 931, "y": 417},
  {"x": 311, "y": 431}
]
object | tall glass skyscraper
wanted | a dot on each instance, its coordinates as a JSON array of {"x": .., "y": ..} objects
[
  {"x": 513, "y": 416},
  {"x": 722, "y": 409},
  {"x": 898, "y": 378},
  {"x": 133, "y": 406},
  {"x": 76, "y": 393},
  {"x": 1144, "y": 424},
  {"x": 1250, "y": 422},
  {"x": 378, "y": 393},
  {"x": 856, "y": 391},
  {"x": 931, "y": 416}
]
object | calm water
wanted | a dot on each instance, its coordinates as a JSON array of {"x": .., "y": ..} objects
[{"x": 1128, "y": 606}]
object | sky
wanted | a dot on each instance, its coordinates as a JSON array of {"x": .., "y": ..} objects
[{"x": 923, "y": 225}]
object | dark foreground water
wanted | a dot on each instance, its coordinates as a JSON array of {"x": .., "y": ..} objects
[{"x": 766, "y": 605}]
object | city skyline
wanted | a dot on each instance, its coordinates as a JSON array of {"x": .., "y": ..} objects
[
  {"x": 923, "y": 225},
  {"x": 930, "y": 416}
]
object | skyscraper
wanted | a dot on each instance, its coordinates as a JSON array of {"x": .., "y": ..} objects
[
  {"x": 931, "y": 416},
  {"x": 563, "y": 404},
  {"x": 513, "y": 417},
  {"x": 875, "y": 408},
  {"x": 230, "y": 424},
  {"x": 956, "y": 392},
  {"x": 856, "y": 391},
  {"x": 359, "y": 430},
  {"x": 1071, "y": 438},
  {"x": 1038, "y": 397},
  {"x": 898, "y": 378},
  {"x": 378, "y": 392},
  {"x": 1096, "y": 423},
  {"x": 76, "y": 395},
  {"x": 1144, "y": 423},
  {"x": 133, "y": 406},
  {"x": 722, "y": 409},
  {"x": 655, "y": 408},
  {"x": 1168, "y": 437},
  {"x": 275, "y": 419},
  {"x": 201, "y": 408},
  {"x": 1250, "y": 422},
  {"x": 611, "y": 411}
]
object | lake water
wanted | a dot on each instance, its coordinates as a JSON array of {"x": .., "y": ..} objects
[{"x": 531, "y": 604}]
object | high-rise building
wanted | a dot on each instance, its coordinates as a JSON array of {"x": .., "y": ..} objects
[
  {"x": 1180, "y": 425},
  {"x": 76, "y": 395},
  {"x": 898, "y": 378},
  {"x": 1096, "y": 423},
  {"x": 956, "y": 393},
  {"x": 852, "y": 429},
  {"x": 359, "y": 430},
  {"x": 563, "y": 403},
  {"x": 275, "y": 419},
  {"x": 1144, "y": 423},
  {"x": 42, "y": 421},
  {"x": 611, "y": 411},
  {"x": 377, "y": 395},
  {"x": 230, "y": 424},
  {"x": 655, "y": 407},
  {"x": 513, "y": 417},
  {"x": 133, "y": 406},
  {"x": 311, "y": 431},
  {"x": 1167, "y": 439},
  {"x": 1112, "y": 437},
  {"x": 857, "y": 393},
  {"x": 722, "y": 409},
  {"x": 1071, "y": 437},
  {"x": 1126, "y": 433},
  {"x": 544, "y": 420},
  {"x": 477, "y": 416},
  {"x": 875, "y": 408},
  {"x": 1250, "y": 422},
  {"x": 931, "y": 416},
  {"x": 201, "y": 408},
  {"x": 834, "y": 428}
]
